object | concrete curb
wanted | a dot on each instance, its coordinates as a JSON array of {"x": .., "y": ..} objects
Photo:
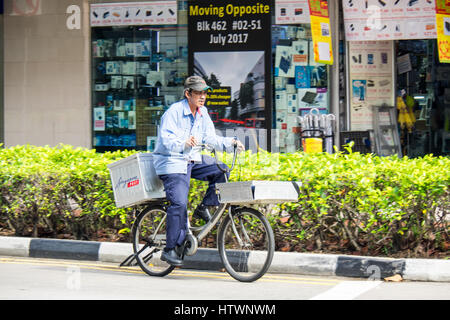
[{"x": 209, "y": 259}]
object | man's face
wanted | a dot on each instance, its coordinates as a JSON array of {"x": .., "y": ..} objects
[{"x": 196, "y": 98}]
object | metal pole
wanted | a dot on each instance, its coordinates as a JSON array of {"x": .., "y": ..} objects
[{"x": 333, "y": 7}]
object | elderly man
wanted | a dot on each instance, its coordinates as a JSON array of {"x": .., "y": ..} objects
[{"x": 177, "y": 158}]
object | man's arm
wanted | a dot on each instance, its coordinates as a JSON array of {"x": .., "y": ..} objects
[
  {"x": 171, "y": 135},
  {"x": 218, "y": 142}
]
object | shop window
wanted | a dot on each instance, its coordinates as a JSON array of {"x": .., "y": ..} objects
[
  {"x": 137, "y": 73},
  {"x": 423, "y": 84},
  {"x": 300, "y": 84}
]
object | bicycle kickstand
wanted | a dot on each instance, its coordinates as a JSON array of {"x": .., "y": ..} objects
[{"x": 128, "y": 262}]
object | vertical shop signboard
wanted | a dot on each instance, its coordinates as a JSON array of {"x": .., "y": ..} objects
[
  {"x": 321, "y": 31},
  {"x": 371, "y": 80},
  {"x": 230, "y": 47},
  {"x": 443, "y": 29}
]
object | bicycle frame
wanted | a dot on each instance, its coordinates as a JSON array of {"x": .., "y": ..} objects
[{"x": 205, "y": 229}]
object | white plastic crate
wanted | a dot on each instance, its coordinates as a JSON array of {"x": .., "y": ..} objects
[
  {"x": 248, "y": 192},
  {"x": 134, "y": 180}
]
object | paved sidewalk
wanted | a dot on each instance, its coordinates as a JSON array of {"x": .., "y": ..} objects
[{"x": 209, "y": 259}]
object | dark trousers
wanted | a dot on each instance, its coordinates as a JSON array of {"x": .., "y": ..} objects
[{"x": 176, "y": 186}]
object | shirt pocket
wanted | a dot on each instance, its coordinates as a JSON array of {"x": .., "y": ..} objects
[{"x": 185, "y": 129}]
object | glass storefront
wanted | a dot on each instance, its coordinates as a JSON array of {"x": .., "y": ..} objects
[
  {"x": 300, "y": 84},
  {"x": 397, "y": 90},
  {"x": 423, "y": 83},
  {"x": 138, "y": 72}
]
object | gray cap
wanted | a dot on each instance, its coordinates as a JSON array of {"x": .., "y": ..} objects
[{"x": 196, "y": 83}]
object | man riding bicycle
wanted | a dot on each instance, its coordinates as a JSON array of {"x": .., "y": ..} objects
[{"x": 184, "y": 126}]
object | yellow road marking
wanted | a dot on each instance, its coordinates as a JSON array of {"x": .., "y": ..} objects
[{"x": 177, "y": 272}]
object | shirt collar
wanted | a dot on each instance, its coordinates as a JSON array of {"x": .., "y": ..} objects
[{"x": 187, "y": 109}]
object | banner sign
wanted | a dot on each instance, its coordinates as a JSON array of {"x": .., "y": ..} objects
[
  {"x": 321, "y": 31},
  {"x": 443, "y": 29},
  {"x": 230, "y": 47},
  {"x": 389, "y": 19},
  {"x": 133, "y": 13},
  {"x": 291, "y": 11}
]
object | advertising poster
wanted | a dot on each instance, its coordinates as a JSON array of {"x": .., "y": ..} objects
[
  {"x": 443, "y": 29},
  {"x": 133, "y": 13},
  {"x": 230, "y": 47},
  {"x": 321, "y": 31},
  {"x": 291, "y": 11},
  {"x": 99, "y": 119},
  {"x": 372, "y": 82},
  {"x": 389, "y": 19}
]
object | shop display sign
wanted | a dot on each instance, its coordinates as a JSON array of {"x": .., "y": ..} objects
[
  {"x": 389, "y": 19},
  {"x": 99, "y": 119},
  {"x": 371, "y": 80},
  {"x": 291, "y": 11},
  {"x": 230, "y": 47},
  {"x": 133, "y": 13},
  {"x": 443, "y": 29},
  {"x": 321, "y": 31}
]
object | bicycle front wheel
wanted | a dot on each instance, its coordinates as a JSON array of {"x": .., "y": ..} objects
[
  {"x": 246, "y": 244},
  {"x": 149, "y": 239}
]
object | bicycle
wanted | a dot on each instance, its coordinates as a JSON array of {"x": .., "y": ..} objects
[{"x": 244, "y": 234}]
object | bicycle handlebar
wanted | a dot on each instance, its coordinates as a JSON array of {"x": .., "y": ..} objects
[{"x": 208, "y": 147}]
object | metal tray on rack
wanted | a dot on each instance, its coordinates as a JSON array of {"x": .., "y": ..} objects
[{"x": 255, "y": 191}]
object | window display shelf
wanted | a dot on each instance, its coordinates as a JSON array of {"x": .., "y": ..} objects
[
  {"x": 300, "y": 83},
  {"x": 130, "y": 88}
]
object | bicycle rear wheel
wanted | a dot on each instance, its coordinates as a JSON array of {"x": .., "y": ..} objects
[
  {"x": 247, "y": 248},
  {"x": 149, "y": 239}
]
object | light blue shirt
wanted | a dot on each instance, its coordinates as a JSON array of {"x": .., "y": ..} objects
[{"x": 171, "y": 154}]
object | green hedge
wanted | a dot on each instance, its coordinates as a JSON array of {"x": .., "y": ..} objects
[{"x": 348, "y": 202}]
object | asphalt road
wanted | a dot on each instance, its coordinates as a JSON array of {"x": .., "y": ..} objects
[{"x": 50, "y": 279}]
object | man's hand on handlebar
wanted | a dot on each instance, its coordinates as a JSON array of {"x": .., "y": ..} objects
[
  {"x": 191, "y": 142},
  {"x": 240, "y": 147}
]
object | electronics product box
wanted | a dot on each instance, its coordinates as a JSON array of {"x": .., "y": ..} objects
[
  {"x": 142, "y": 49},
  {"x": 102, "y": 48},
  {"x": 130, "y": 49},
  {"x": 143, "y": 68},
  {"x": 97, "y": 49},
  {"x": 120, "y": 51},
  {"x": 292, "y": 104},
  {"x": 128, "y": 82},
  {"x": 116, "y": 82},
  {"x": 281, "y": 100},
  {"x": 156, "y": 78},
  {"x": 101, "y": 86},
  {"x": 113, "y": 67},
  {"x": 281, "y": 118},
  {"x": 280, "y": 83},
  {"x": 129, "y": 67}
]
